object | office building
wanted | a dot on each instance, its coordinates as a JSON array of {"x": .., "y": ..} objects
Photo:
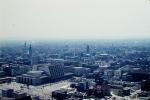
[{"x": 54, "y": 68}]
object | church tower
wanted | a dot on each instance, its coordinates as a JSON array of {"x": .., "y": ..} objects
[
  {"x": 30, "y": 51},
  {"x": 30, "y": 54},
  {"x": 87, "y": 49},
  {"x": 25, "y": 50}
]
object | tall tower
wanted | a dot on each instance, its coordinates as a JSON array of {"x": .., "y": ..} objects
[
  {"x": 87, "y": 49},
  {"x": 30, "y": 54},
  {"x": 25, "y": 45},
  {"x": 30, "y": 51},
  {"x": 25, "y": 48}
]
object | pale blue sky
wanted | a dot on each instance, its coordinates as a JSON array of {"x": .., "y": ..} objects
[{"x": 74, "y": 19}]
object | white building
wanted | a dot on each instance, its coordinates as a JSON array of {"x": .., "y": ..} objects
[
  {"x": 33, "y": 78},
  {"x": 54, "y": 68}
]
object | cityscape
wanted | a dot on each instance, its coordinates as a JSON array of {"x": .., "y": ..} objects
[
  {"x": 101, "y": 70},
  {"x": 74, "y": 49}
]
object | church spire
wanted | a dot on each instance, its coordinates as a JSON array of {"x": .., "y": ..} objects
[
  {"x": 25, "y": 45},
  {"x": 30, "y": 50}
]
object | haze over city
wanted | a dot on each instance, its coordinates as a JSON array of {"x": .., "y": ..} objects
[
  {"x": 74, "y": 49},
  {"x": 74, "y": 19}
]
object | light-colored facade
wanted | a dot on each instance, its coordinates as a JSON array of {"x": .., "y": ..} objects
[
  {"x": 33, "y": 78},
  {"x": 54, "y": 68}
]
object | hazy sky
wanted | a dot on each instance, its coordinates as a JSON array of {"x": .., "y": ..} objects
[{"x": 74, "y": 19}]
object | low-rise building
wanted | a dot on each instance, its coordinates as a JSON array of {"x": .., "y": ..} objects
[
  {"x": 33, "y": 78},
  {"x": 10, "y": 94},
  {"x": 80, "y": 70}
]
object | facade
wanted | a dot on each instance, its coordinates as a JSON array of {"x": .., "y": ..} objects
[
  {"x": 108, "y": 73},
  {"x": 5, "y": 80},
  {"x": 87, "y": 49},
  {"x": 20, "y": 69},
  {"x": 54, "y": 68},
  {"x": 10, "y": 94},
  {"x": 145, "y": 85},
  {"x": 34, "y": 60},
  {"x": 2, "y": 74},
  {"x": 33, "y": 78},
  {"x": 82, "y": 86},
  {"x": 80, "y": 70},
  {"x": 117, "y": 74},
  {"x": 15, "y": 69}
]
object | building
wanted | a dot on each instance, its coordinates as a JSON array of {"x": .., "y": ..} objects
[
  {"x": 139, "y": 76},
  {"x": 53, "y": 71},
  {"x": 145, "y": 85},
  {"x": 108, "y": 73},
  {"x": 118, "y": 74},
  {"x": 33, "y": 78},
  {"x": 82, "y": 86},
  {"x": 88, "y": 49},
  {"x": 126, "y": 91},
  {"x": 80, "y": 70},
  {"x": 102, "y": 90},
  {"x": 35, "y": 60},
  {"x": 25, "y": 50},
  {"x": 2, "y": 74},
  {"x": 15, "y": 69},
  {"x": 5, "y": 80},
  {"x": 59, "y": 94},
  {"x": 10, "y": 94},
  {"x": 54, "y": 68},
  {"x": 30, "y": 51}
]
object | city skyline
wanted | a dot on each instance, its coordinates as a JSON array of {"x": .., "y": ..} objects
[{"x": 74, "y": 50}]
